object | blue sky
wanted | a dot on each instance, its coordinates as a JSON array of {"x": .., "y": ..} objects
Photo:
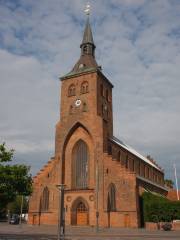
[{"x": 138, "y": 47}]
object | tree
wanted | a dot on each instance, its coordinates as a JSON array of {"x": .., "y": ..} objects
[
  {"x": 14, "y": 179},
  {"x": 15, "y": 206},
  {"x": 169, "y": 183}
]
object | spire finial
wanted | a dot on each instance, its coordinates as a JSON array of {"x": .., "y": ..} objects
[{"x": 87, "y": 9}]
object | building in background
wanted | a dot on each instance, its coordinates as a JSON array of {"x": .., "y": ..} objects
[{"x": 103, "y": 176}]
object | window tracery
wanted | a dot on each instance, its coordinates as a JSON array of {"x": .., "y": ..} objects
[{"x": 80, "y": 165}]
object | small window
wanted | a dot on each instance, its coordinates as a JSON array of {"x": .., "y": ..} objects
[
  {"x": 142, "y": 173},
  {"x": 127, "y": 162},
  {"x": 84, "y": 87},
  {"x": 107, "y": 94},
  {"x": 84, "y": 107},
  {"x": 101, "y": 89},
  {"x": 133, "y": 167},
  {"x": 138, "y": 166},
  {"x": 71, "y": 90}
]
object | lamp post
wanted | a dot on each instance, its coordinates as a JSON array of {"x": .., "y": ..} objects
[
  {"x": 97, "y": 195},
  {"x": 61, "y": 221}
]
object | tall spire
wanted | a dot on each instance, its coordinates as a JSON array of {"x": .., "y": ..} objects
[
  {"x": 87, "y": 46},
  {"x": 87, "y": 58},
  {"x": 87, "y": 37}
]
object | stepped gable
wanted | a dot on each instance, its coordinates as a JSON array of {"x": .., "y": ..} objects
[{"x": 48, "y": 166}]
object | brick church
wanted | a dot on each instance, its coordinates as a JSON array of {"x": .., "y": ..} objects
[{"x": 102, "y": 174}]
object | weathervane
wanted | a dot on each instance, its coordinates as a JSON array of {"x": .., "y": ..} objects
[{"x": 87, "y": 9}]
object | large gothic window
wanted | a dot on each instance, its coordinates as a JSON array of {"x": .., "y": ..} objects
[
  {"x": 80, "y": 165},
  {"x": 111, "y": 201},
  {"x": 45, "y": 199}
]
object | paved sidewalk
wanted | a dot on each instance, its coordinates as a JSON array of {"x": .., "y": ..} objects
[{"x": 83, "y": 233}]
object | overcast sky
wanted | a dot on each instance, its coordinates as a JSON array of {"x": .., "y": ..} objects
[{"x": 138, "y": 47}]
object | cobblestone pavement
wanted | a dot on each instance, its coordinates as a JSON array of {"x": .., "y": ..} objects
[{"x": 27, "y": 232}]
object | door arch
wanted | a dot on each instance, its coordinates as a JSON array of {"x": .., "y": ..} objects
[{"x": 80, "y": 212}]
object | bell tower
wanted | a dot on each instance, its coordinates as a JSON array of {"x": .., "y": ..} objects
[
  {"x": 84, "y": 129},
  {"x": 85, "y": 92}
]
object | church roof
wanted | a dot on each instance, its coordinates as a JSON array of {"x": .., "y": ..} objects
[
  {"x": 134, "y": 152},
  {"x": 86, "y": 70},
  {"x": 81, "y": 71}
]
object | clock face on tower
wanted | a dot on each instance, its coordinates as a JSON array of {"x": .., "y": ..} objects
[{"x": 77, "y": 102}]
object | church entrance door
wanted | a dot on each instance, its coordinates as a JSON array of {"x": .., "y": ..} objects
[{"x": 80, "y": 213}]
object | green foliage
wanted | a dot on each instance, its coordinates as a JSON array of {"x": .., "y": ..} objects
[
  {"x": 15, "y": 206},
  {"x": 159, "y": 209},
  {"x": 5, "y": 155},
  {"x": 169, "y": 183},
  {"x": 14, "y": 179}
]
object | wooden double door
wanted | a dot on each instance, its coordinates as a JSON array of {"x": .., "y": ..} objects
[{"x": 80, "y": 215}]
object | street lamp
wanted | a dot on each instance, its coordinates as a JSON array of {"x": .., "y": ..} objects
[
  {"x": 97, "y": 197},
  {"x": 61, "y": 220}
]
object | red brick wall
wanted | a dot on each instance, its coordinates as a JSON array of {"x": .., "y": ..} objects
[{"x": 94, "y": 128}]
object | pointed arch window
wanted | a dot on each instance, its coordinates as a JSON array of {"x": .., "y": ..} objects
[
  {"x": 45, "y": 199},
  {"x": 84, "y": 87},
  {"x": 80, "y": 157},
  {"x": 111, "y": 201},
  {"x": 71, "y": 90}
]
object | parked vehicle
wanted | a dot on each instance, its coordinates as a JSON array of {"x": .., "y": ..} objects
[
  {"x": 14, "y": 219},
  {"x": 167, "y": 226}
]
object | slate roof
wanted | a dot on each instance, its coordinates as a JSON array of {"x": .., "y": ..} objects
[{"x": 134, "y": 152}]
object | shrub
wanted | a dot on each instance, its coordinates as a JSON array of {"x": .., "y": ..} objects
[{"x": 159, "y": 209}]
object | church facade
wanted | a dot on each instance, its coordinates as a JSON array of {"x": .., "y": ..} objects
[{"x": 103, "y": 176}]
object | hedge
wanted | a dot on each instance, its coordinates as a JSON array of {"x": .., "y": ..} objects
[{"x": 159, "y": 209}]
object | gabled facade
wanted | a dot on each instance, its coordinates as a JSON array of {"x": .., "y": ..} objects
[{"x": 102, "y": 175}]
